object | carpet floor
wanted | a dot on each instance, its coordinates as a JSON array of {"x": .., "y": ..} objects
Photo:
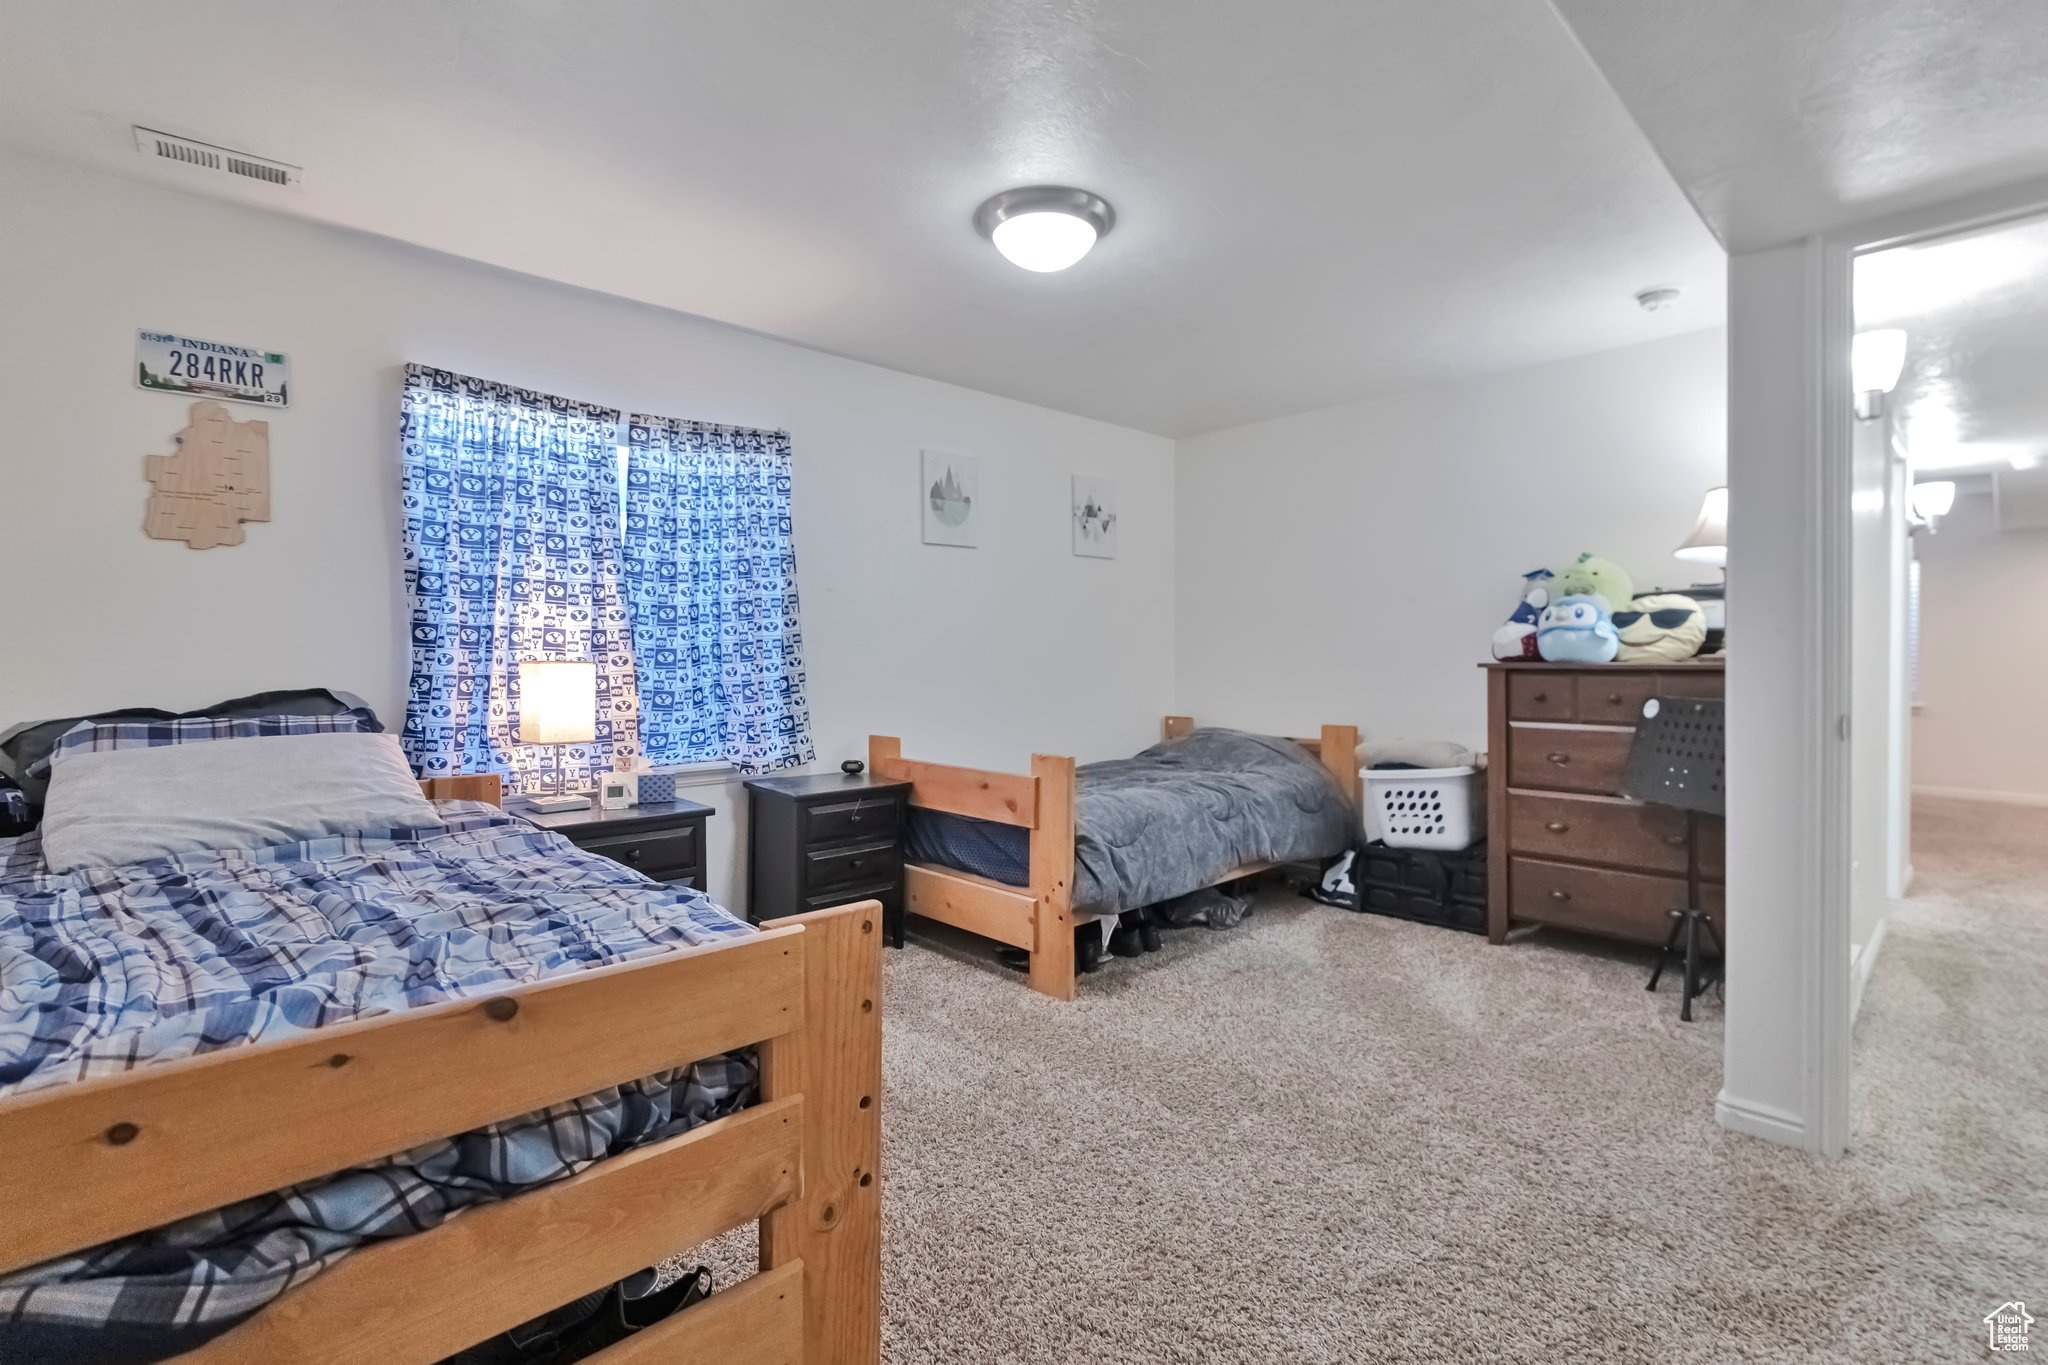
[{"x": 1326, "y": 1137}]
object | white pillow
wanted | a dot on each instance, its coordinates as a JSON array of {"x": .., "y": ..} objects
[{"x": 130, "y": 805}]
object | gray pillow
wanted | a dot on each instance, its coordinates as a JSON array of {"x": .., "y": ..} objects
[{"x": 124, "y": 806}]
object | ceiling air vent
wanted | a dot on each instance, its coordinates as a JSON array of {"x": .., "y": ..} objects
[{"x": 206, "y": 157}]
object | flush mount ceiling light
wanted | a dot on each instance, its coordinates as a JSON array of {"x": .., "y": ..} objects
[
  {"x": 1659, "y": 297},
  {"x": 1044, "y": 227}
]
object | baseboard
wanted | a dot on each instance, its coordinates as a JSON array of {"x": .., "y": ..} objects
[
  {"x": 1761, "y": 1121},
  {"x": 1980, "y": 794},
  {"x": 1861, "y": 960}
]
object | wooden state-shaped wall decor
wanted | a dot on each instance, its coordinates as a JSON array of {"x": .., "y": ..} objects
[{"x": 218, "y": 479}]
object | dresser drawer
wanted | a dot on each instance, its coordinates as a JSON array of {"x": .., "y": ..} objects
[
  {"x": 1564, "y": 759},
  {"x": 664, "y": 855},
  {"x": 1599, "y": 829},
  {"x": 1539, "y": 696},
  {"x": 861, "y": 865},
  {"x": 1597, "y": 900},
  {"x": 1614, "y": 698},
  {"x": 873, "y": 819}
]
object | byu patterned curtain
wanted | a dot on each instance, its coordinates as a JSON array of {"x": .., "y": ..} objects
[
  {"x": 511, "y": 553},
  {"x": 711, "y": 579}
]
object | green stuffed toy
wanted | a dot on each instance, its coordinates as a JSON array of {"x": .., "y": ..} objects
[{"x": 1592, "y": 576}]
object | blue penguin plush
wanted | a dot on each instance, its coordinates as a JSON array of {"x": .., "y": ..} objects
[{"x": 1577, "y": 630}]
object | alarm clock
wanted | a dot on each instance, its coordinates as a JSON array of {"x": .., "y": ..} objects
[{"x": 616, "y": 791}]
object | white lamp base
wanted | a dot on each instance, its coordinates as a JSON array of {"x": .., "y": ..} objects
[{"x": 555, "y": 805}]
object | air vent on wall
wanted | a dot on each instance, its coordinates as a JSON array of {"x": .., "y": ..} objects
[{"x": 205, "y": 157}]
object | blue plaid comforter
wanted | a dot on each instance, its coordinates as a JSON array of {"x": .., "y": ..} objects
[{"x": 112, "y": 968}]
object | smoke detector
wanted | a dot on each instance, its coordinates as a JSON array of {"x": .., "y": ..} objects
[
  {"x": 1658, "y": 297},
  {"x": 204, "y": 156}
]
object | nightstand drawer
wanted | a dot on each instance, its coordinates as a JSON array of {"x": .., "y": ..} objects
[
  {"x": 873, "y": 819},
  {"x": 662, "y": 855},
  {"x": 863, "y": 864}
]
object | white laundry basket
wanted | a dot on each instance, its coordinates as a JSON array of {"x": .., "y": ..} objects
[{"x": 1440, "y": 808}]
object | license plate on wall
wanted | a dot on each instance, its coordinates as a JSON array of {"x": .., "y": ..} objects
[{"x": 170, "y": 363}]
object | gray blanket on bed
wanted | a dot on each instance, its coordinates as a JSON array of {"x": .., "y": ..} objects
[{"x": 1184, "y": 813}]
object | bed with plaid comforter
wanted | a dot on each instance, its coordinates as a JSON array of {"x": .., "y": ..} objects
[{"x": 107, "y": 969}]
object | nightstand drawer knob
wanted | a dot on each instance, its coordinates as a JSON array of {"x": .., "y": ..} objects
[
  {"x": 1558, "y": 757},
  {"x": 633, "y": 854},
  {"x": 1557, "y": 895},
  {"x": 1556, "y": 826}
]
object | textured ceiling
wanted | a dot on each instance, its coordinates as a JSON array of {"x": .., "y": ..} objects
[
  {"x": 1975, "y": 312},
  {"x": 1783, "y": 118},
  {"x": 1316, "y": 201}
]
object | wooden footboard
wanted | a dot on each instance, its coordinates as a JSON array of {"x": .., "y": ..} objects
[
  {"x": 1038, "y": 917},
  {"x": 106, "y": 1158}
]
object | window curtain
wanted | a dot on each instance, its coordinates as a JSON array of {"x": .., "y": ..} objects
[
  {"x": 711, "y": 583},
  {"x": 511, "y": 503}
]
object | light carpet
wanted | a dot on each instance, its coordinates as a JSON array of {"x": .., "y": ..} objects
[{"x": 1327, "y": 1137}]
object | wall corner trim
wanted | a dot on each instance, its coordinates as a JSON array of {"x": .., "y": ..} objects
[
  {"x": 1762, "y": 1121},
  {"x": 1861, "y": 961}
]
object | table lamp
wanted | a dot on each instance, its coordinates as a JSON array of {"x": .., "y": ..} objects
[
  {"x": 1708, "y": 544},
  {"x": 558, "y": 706}
]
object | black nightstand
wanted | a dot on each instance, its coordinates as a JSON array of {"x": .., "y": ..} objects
[
  {"x": 824, "y": 840},
  {"x": 663, "y": 839}
]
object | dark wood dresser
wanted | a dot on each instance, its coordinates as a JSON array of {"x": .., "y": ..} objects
[
  {"x": 825, "y": 839},
  {"x": 1563, "y": 849}
]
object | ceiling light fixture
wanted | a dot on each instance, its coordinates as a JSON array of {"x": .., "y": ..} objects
[
  {"x": 1044, "y": 227},
  {"x": 1658, "y": 297},
  {"x": 1875, "y": 362},
  {"x": 1933, "y": 499}
]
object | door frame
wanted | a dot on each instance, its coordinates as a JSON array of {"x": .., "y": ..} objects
[{"x": 1829, "y": 776}]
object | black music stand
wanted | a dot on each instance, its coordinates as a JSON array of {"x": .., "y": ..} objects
[{"x": 1677, "y": 761}]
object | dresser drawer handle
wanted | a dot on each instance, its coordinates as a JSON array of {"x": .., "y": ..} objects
[
  {"x": 1614, "y": 698},
  {"x": 1556, "y": 826},
  {"x": 633, "y": 854},
  {"x": 1540, "y": 697},
  {"x": 1557, "y": 895},
  {"x": 1675, "y": 840},
  {"x": 1558, "y": 757},
  {"x": 853, "y": 819}
]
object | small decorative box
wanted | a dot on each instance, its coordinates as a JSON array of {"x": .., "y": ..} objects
[{"x": 657, "y": 787}]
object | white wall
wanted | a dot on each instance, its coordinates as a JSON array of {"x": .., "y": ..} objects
[
  {"x": 976, "y": 656},
  {"x": 1982, "y": 656},
  {"x": 1350, "y": 564}
]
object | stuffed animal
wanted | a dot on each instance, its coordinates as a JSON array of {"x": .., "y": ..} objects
[
  {"x": 1592, "y": 576},
  {"x": 1577, "y": 630},
  {"x": 1664, "y": 627},
  {"x": 1517, "y": 639}
]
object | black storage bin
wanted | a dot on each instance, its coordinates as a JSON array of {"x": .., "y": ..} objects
[{"x": 1447, "y": 889}]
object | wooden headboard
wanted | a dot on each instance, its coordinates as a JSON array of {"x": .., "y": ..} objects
[{"x": 485, "y": 787}]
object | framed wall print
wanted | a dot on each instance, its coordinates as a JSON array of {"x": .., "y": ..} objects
[{"x": 952, "y": 499}]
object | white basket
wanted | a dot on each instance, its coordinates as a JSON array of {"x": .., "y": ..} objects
[{"x": 1440, "y": 808}]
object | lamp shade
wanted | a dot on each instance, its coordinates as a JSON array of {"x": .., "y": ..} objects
[
  {"x": 1708, "y": 543},
  {"x": 557, "y": 702}
]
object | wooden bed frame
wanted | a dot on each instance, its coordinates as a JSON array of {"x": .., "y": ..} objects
[
  {"x": 1037, "y": 918},
  {"x": 105, "y": 1158}
]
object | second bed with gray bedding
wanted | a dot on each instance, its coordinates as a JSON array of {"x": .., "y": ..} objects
[{"x": 1176, "y": 818}]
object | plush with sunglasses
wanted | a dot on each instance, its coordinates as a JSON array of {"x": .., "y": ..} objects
[{"x": 1665, "y": 627}]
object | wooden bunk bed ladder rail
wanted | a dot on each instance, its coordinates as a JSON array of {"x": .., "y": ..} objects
[{"x": 102, "y": 1159}]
